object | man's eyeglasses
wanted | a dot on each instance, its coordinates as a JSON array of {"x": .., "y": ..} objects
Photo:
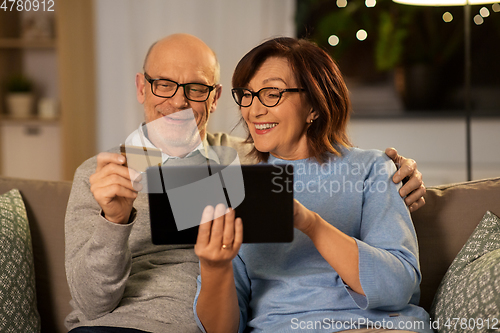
[
  {"x": 195, "y": 92},
  {"x": 267, "y": 96}
]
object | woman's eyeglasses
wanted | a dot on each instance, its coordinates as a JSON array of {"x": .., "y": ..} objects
[{"x": 267, "y": 96}]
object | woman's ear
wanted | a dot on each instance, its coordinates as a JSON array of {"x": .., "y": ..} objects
[{"x": 313, "y": 115}]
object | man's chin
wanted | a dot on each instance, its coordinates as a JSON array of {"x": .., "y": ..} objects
[
  {"x": 177, "y": 137},
  {"x": 177, "y": 146}
]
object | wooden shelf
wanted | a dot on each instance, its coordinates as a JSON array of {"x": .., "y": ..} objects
[
  {"x": 31, "y": 120},
  {"x": 73, "y": 49},
  {"x": 19, "y": 43}
]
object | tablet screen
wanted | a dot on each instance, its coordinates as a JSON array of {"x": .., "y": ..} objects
[{"x": 262, "y": 195}]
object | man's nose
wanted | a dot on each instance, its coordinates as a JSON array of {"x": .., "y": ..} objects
[{"x": 179, "y": 100}]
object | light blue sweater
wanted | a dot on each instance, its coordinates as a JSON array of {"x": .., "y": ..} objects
[{"x": 291, "y": 288}]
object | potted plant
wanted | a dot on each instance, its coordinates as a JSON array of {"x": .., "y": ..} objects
[{"x": 19, "y": 96}]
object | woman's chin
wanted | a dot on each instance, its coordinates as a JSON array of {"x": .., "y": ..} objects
[{"x": 262, "y": 148}]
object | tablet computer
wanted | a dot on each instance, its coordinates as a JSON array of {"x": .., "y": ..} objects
[{"x": 262, "y": 195}]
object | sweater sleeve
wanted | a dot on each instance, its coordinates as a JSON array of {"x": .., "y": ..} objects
[
  {"x": 243, "y": 291},
  {"x": 388, "y": 251},
  {"x": 98, "y": 258}
]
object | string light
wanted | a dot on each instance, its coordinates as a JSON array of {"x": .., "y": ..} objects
[
  {"x": 478, "y": 19},
  {"x": 341, "y": 3},
  {"x": 361, "y": 35},
  {"x": 484, "y": 12},
  {"x": 333, "y": 40},
  {"x": 370, "y": 3},
  {"x": 447, "y": 17}
]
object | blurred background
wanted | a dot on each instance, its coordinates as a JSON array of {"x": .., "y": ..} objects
[{"x": 72, "y": 65}]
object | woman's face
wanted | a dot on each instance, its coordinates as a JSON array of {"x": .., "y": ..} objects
[{"x": 281, "y": 129}]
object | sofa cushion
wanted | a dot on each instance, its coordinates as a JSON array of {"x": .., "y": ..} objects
[
  {"x": 470, "y": 290},
  {"x": 18, "y": 306}
]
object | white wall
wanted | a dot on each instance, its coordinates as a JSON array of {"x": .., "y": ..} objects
[
  {"x": 437, "y": 144},
  {"x": 126, "y": 28}
]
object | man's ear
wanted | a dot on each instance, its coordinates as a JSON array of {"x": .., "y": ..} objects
[
  {"x": 218, "y": 92},
  {"x": 140, "y": 87}
]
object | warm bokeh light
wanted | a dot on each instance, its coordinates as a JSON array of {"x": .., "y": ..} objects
[
  {"x": 496, "y": 7},
  {"x": 361, "y": 34},
  {"x": 447, "y": 17},
  {"x": 341, "y": 3},
  {"x": 370, "y": 3},
  {"x": 484, "y": 12},
  {"x": 443, "y": 2},
  {"x": 333, "y": 40},
  {"x": 478, "y": 19}
]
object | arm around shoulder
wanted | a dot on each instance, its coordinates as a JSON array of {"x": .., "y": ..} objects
[{"x": 388, "y": 251}]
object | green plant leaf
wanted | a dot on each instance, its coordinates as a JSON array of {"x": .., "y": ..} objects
[{"x": 18, "y": 83}]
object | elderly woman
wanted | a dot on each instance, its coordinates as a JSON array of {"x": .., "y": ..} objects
[{"x": 353, "y": 264}]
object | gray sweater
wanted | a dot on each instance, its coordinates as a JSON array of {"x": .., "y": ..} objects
[{"x": 116, "y": 276}]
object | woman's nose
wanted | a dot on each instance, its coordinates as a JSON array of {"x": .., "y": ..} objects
[{"x": 257, "y": 109}]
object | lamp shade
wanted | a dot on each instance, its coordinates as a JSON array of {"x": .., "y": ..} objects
[{"x": 444, "y": 2}]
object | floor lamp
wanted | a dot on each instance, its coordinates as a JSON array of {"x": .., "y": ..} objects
[{"x": 467, "y": 65}]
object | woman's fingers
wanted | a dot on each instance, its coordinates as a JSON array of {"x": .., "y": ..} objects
[
  {"x": 219, "y": 240},
  {"x": 205, "y": 228},
  {"x": 228, "y": 237},
  {"x": 218, "y": 226},
  {"x": 238, "y": 233},
  {"x": 211, "y": 229}
]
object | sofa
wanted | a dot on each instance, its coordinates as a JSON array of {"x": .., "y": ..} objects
[
  {"x": 443, "y": 225},
  {"x": 45, "y": 203}
]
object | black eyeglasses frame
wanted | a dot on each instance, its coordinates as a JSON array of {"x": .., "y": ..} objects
[{"x": 183, "y": 85}]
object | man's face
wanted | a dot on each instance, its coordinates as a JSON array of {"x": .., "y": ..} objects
[{"x": 177, "y": 125}]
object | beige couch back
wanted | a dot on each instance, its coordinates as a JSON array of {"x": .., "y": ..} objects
[
  {"x": 443, "y": 226},
  {"x": 445, "y": 223},
  {"x": 46, "y": 206}
]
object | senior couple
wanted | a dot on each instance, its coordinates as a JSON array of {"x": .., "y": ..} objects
[{"x": 353, "y": 264}]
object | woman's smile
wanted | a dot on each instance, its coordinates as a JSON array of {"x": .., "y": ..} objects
[{"x": 263, "y": 128}]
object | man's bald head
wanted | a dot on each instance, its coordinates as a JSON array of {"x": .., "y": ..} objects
[
  {"x": 184, "y": 43},
  {"x": 182, "y": 59}
]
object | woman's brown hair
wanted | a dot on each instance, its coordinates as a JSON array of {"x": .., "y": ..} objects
[{"x": 326, "y": 91}]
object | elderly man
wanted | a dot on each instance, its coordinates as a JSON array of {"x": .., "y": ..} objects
[{"x": 119, "y": 280}]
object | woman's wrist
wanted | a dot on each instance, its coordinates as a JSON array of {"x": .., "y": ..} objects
[
  {"x": 311, "y": 227},
  {"x": 216, "y": 268}
]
